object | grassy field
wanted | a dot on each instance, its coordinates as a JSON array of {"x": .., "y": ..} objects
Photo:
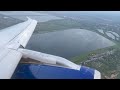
[
  {"x": 103, "y": 60},
  {"x": 62, "y": 24},
  {"x": 55, "y": 25}
]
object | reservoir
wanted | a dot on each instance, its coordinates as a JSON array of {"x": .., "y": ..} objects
[{"x": 68, "y": 43}]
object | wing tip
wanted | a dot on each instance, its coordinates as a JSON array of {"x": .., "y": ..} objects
[{"x": 28, "y": 18}]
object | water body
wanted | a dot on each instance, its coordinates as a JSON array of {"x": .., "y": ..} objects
[
  {"x": 110, "y": 35},
  {"x": 68, "y": 43},
  {"x": 114, "y": 33},
  {"x": 40, "y": 17}
]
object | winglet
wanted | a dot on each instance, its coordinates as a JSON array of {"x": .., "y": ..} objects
[{"x": 28, "y": 18}]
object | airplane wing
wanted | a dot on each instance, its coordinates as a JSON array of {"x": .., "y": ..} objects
[
  {"x": 17, "y": 36},
  {"x": 11, "y": 39}
]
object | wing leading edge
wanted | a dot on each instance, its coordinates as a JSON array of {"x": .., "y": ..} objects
[{"x": 10, "y": 54}]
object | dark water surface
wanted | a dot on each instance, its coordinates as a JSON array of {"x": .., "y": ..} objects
[{"x": 68, "y": 43}]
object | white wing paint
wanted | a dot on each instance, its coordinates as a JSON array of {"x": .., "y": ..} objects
[
  {"x": 10, "y": 40},
  {"x": 18, "y": 35}
]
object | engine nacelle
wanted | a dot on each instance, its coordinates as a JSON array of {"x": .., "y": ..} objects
[
  {"x": 85, "y": 72},
  {"x": 48, "y": 59}
]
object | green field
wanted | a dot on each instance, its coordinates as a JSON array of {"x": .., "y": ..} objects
[
  {"x": 62, "y": 24},
  {"x": 55, "y": 25},
  {"x": 108, "y": 65}
]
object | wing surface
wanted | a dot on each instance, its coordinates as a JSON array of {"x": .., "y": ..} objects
[{"x": 11, "y": 39}]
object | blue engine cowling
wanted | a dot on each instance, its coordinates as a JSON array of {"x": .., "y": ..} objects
[{"x": 36, "y": 71}]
